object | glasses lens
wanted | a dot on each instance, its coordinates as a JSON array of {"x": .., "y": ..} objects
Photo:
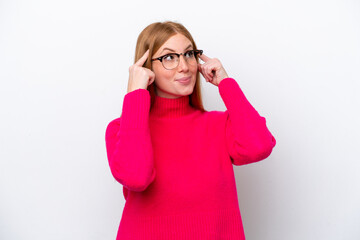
[{"x": 170, "y": 61}]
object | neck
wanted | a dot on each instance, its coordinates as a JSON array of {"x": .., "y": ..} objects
[{"x": 171, "y": 107}]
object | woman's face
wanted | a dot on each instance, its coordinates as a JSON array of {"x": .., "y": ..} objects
[{"x": 167, "y": 81}]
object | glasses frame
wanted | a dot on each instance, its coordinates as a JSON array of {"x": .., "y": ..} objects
[{"x": 196, "y": 52}]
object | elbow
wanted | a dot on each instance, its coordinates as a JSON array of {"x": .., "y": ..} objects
[
  {"x": 262, "y": 153},
  {"x": 135, "y": 181},
  {"x": 263, "y": 150},
  {"x": 253, "y": 153}
]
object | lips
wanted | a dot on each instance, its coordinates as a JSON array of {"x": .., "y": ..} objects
[{"x": 184, "y": 79}]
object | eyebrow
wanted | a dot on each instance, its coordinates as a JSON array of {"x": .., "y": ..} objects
[{"x": 171, "y": 50}]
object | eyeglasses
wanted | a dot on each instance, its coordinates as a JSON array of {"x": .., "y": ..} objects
[{"x": 171, "y": 60}]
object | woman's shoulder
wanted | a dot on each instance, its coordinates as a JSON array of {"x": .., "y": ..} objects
[
  {"x": 214, "y": 112},
  {"x": 214, "y": 115},
  {"x": 213, "y": 121}
]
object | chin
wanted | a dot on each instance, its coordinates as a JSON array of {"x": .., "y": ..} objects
[{"x": 185, "y": 93}]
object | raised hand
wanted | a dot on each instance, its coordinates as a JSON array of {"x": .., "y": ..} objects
[
  {"x": 212, "y": 70},
  {"x": 139, "y": 76}
]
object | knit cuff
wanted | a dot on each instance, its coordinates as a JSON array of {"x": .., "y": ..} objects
[{"x": 136, "y": 108}]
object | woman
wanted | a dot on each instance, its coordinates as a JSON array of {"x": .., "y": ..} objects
[{"x": 175, "y": 159}]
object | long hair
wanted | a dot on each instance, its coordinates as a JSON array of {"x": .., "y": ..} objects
[{"x": 152, "y": 38}]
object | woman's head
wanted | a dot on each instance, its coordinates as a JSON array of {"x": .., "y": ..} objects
[{"x": 162, "y": 38}]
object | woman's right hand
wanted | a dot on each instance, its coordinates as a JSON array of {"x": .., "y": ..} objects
[{"x": 140, "y": 77}]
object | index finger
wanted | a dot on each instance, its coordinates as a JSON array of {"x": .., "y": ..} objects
[
  {"x": 204, "y": 57},
  {"x": 142, "y": 60}
]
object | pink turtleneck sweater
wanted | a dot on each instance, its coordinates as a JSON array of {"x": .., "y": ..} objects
[{"x": 176, "y": 164}]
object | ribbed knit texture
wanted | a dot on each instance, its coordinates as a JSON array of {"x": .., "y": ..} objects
[{"x": 176, "y": 164}]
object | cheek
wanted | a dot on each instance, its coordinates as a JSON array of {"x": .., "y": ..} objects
[
  {"x": 194, "y": 70},
  {"x": 163, "y": 75}
]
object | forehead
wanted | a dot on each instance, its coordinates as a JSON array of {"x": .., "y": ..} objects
[{"x": 177, "y": 42}]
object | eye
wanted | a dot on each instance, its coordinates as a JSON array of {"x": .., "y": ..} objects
[
  {"x": 189, "y": 54},
  {"x": 168, "y": 57}
]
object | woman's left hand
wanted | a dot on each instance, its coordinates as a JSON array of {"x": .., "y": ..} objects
[{"x": 212, "y": 70}]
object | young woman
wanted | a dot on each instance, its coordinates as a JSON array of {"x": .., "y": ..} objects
[{"x": 175, "y": 159}]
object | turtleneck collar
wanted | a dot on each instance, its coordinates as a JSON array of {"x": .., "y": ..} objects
[{"x": 171, "y": 107}]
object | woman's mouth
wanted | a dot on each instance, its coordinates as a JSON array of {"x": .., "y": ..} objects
[{"x": 184, "y": 80}]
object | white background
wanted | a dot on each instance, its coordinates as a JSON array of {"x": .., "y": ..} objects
[{"x": 64, "y": 70}]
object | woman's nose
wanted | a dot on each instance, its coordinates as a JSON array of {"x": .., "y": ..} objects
[{"x": 183, "y": 65}]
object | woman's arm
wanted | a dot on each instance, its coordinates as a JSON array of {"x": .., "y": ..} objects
[
  {"x": 247, "y": 136},
  {"x": 128, "y": 143}
]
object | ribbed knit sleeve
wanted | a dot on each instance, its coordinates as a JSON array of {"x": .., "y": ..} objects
[
  {"x": 128, "y": 143},
  {"x": 247, "y": 136}
]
